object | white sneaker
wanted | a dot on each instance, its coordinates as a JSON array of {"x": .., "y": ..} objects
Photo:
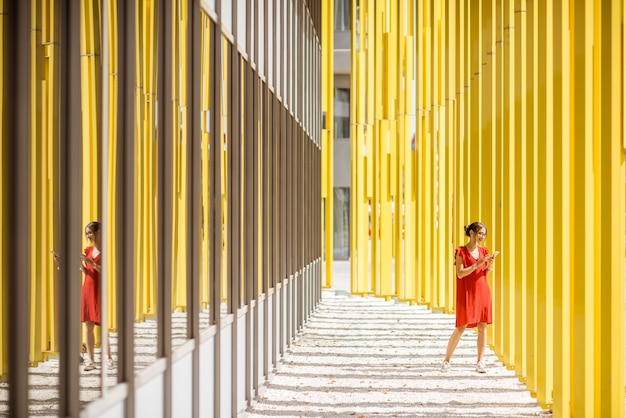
[
  {"x": 480, "y": 367},
  {"x": 445, "y": 366},
  {"x": 89, "y": 365},
  {"x": 111, "y": 364}
]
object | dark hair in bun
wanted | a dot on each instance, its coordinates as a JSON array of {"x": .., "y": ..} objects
[{"x": 474, "y": 226}]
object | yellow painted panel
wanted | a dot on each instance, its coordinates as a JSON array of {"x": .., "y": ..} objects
[
  {"x": 369, "y": 161},
  {"x": 608, "y": 170},
  {"x": 385, "y": 214},
  {"x": 508, "y": 186},
  {"x": 545, "y": 218}
]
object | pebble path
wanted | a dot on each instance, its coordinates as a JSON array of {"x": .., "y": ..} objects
[{"x": 368, "y": 357}]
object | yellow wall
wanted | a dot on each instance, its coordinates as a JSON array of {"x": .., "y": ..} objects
[{"x": 517, "y": 115}]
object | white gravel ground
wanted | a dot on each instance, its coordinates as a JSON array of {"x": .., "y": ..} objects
[{"x": 367, "y": 357}]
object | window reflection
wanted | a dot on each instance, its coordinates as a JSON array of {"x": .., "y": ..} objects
[
  {"x": 342, "y": 15},
  {"x": 342, "y": 113},
  {"x": 205, "y": 247},
  {"x": 225, "y": 132}
]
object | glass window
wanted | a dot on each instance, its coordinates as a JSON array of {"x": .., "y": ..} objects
[
  {"x": 270, "y": 42},
  {"x": 342, "y": 15},
  {"x": 342, "y": 113},
  {"x": 227, "y": 15},
  {"x": 341, "y": 220},
  {"x": 241, "y": 24},
  {"x": 277, "y": 39},
  {"x": 261, "y": 29}
]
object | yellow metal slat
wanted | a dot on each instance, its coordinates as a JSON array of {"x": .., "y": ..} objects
[{"x": 545, "y": 196}]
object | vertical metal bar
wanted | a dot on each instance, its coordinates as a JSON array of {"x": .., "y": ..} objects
[
  {"x": 194, "y": 210},
  {"x": 215, "y": 220},
  {"x": 126, "y": 185},
  {"x": 265, "y": 215},
  {"x": 301, "y": 223},
  {"x": 18, "y": 193},
  {"x": 68, "y": 290},
  {"x": 233, "y": 206},
  {"x": 283, "y": 221},
  {"x": 165, "y": 174},
  {"x": 275, "y": 137},
  {"x": 254, "y": 235},
  {"x": 289, "y": 225},
  {"x": 249, "y": 204}
]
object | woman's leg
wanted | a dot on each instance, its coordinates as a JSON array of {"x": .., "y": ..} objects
[
  {"x": 482, "y": 340},
  {"x": 91, "y": 340},
  {"x": 454, "y": 340}
]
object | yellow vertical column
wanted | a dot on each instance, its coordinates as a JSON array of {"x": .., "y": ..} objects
[
  {"x": 224, "y": 162},
  {"x": 448, "y": 144},
  {"x": 149, "y": 209},
  {"x": 328, "y": 137},
  {"x": 466, "y": 121},
  {"x": 90, "y": 68},
  {"x": 475, "y": 140},
  {"x": 179, "y": 163},
  {"x": 375, "y": 64},
  {"x": 90, "y": 104},
  {"x": 609, "y": 212},
  {"x": 488, "y": 121},
  {"x": 400, "y": 140},
  {"x": 206, "y": 93},
  {"x": 582, "y": 221},
  {"x": 420, "y": 240},
  {"x": 360, "y": 282},
  {"x": 152, "y": 143},
  {"x": 394, "y": 81},
  {"x": 140, "y": 168},
  {"x": 364, "y": 119},
  {"x": 354, "y": 274},
  {"x": 50, "y": 112},
  {"x": 443, "y": 255},
  {"x": 433, "y": 141},
  {"x": 508, "y": 187},
  {"x": 459, "y": 161},
  {"x": 384, "y": 212},
  {"x": 520, "y": 223},
  {"x": 497, "y": 225},
  {"x": 428, "y": 151},
  {"x": 386, "y": 145},
  {"x": 532, "y": 233},
  {"x": 407, "y": 290},
  {"x": 112, "y": 74},
  {"x": 562, "y": 210},
  {"x": 545, "y": 203},
  {"x": 37, "y": 157}
]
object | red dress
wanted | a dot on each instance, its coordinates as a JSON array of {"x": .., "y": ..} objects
[
  {"x": 90, "y": 297},
  {"x": 473, "y": 297}
]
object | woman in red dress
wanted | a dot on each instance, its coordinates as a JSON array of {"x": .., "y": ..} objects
[
  {"x": 90, "y": 296},
  {"x": 473, "y": 297}
]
